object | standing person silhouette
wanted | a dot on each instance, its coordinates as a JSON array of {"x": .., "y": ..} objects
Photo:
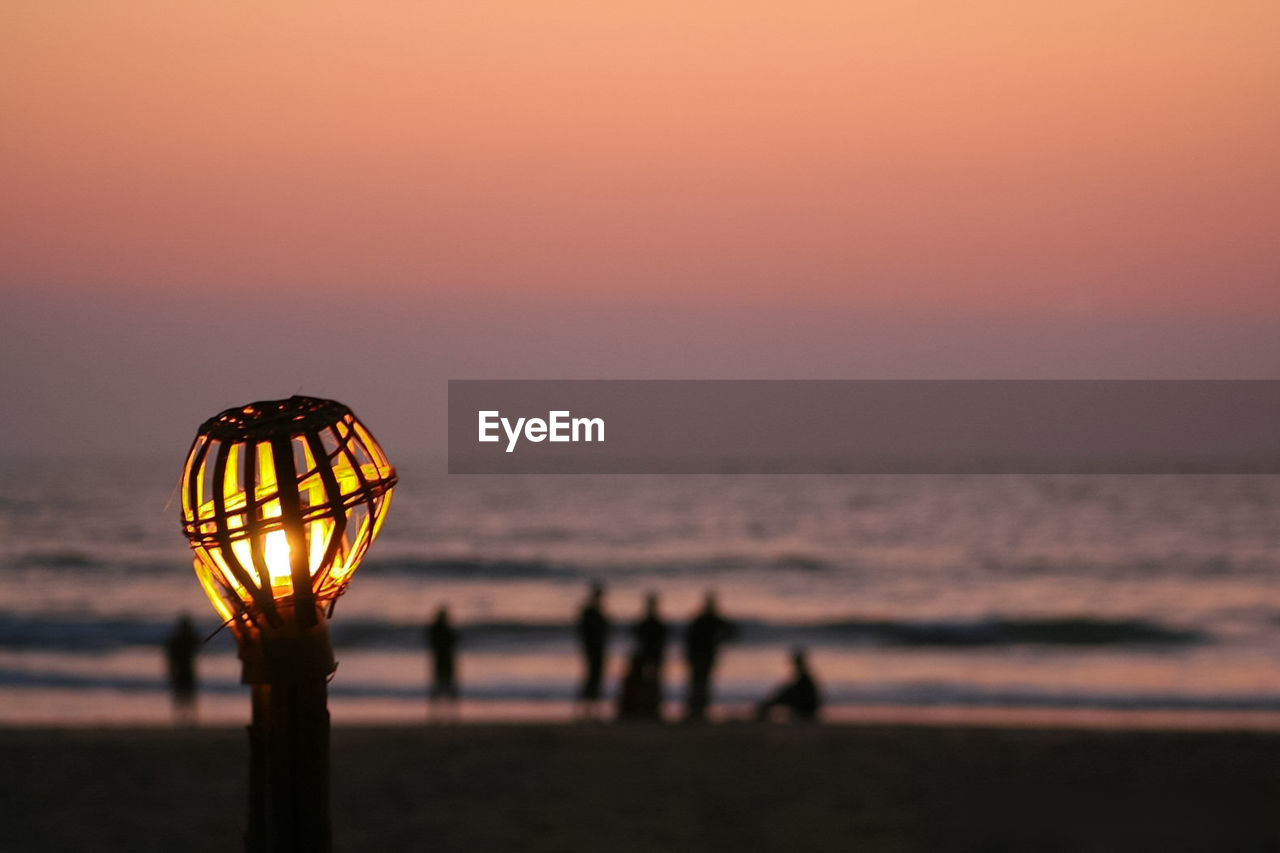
[
  {"x": 593, "y": 633},
  {"x": 180, "y": 654},
  {"x": 651, "y": 646},
  {"x": 702, "y": 641},
  {"x": 640, "y": 697},
  {"x": 651, "y": 633},
  {"x": 442, "y": 639}
]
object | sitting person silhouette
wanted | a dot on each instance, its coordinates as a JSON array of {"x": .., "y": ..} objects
[
  {"x": 799, "y": 698},
  {"x": 640, "y": 697}
]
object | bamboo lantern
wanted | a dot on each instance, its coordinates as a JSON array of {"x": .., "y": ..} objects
[{"x": 280, "y": 501}]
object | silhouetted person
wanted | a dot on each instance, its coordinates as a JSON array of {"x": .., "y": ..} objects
[
  {"x": 641, "y": 695},
  {"x": 702, "y": 641},
  {"x": 799, "y": 697},
  {"x": 651, "y": 633},
  {"x": 442, "y": 639},
  {"x": 180, "y": 653},
  {"x": 651, "y": 642},
  {"x": 593, "y": 633}
]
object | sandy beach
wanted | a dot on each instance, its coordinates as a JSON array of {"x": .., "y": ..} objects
[{"x": 731, "y": 787}]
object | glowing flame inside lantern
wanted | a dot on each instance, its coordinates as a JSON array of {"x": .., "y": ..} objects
[
  {"x": 276, "y": 554},
  {"x": 270, "y": 478}
]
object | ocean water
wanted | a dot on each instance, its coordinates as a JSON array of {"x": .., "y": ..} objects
[{"x": 1155, "y": 593}]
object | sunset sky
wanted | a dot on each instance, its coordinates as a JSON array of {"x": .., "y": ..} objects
[{"x": 206, "y": 204}]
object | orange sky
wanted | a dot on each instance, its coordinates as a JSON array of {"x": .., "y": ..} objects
[
  {"x": 602, "y": 189},
  {"x": 984, "y": 156}
]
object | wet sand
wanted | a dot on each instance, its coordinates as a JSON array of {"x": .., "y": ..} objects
[{"x": 730, "y": 787}]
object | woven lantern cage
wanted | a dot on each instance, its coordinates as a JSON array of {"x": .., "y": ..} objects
[{"x": 280, "y": 501}]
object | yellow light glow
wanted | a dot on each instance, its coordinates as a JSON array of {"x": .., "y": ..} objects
[
  {"x": 318, "y": 533},
  {"x": 211, "y": 589},
  {"x": 275, "y": 550},
  {"x": 243, "y": 552}
]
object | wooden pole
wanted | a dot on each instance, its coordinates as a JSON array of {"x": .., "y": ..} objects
[{"x": 288, "y": 668}]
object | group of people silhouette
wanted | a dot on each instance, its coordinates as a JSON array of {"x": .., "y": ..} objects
[{"x": 640, "y": 693}]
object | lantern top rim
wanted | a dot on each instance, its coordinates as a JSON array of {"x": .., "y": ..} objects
[{"x": 269, "y": 418}]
